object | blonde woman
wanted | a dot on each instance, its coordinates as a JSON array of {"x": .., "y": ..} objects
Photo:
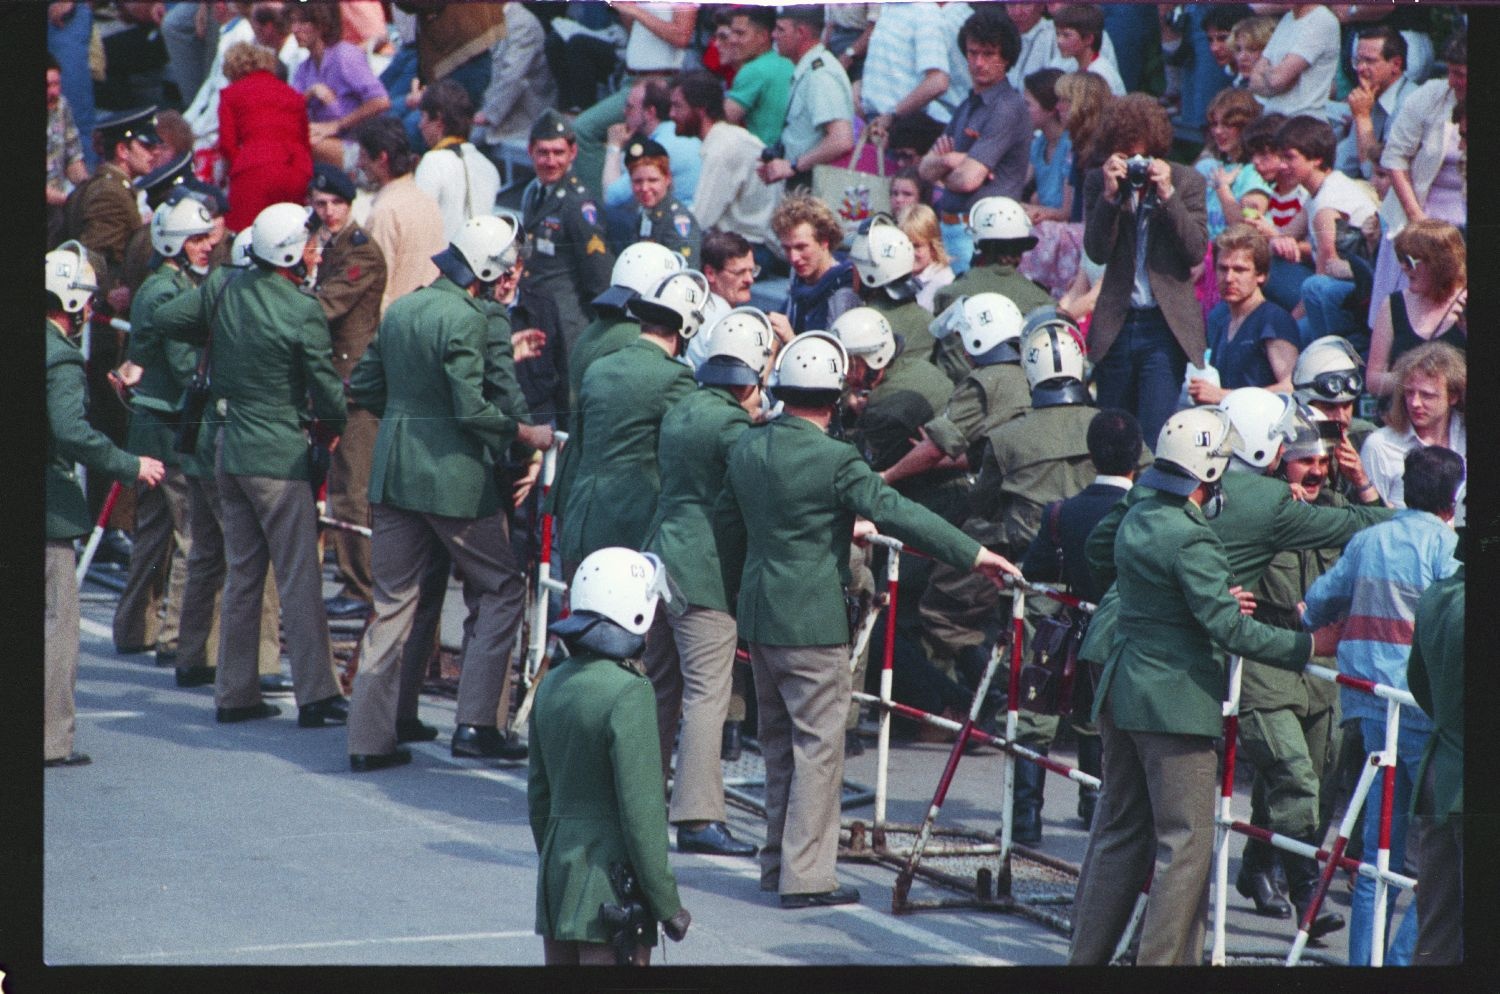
[{"x": 930, "y": 268}]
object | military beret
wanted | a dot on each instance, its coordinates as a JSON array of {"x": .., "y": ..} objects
[
  {"x": 807, "y": 13},
  {"x": 332, "y": 179},
  {"x": 550, "y": 125},
  {"x": 643, "y": 148},
  {"x": 207, "y": 194},
  {"x": 124, "y": 125},
  {"x": 160, "y": 181}
]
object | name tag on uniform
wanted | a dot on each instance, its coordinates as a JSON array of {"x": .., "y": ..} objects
[
  {"x": 645, "y": 226},
  {"x": 546, "y": 246}
]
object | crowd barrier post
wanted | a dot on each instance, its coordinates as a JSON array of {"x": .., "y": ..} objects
[
  {"x": 1226, "y": 797},
  {"x": 887, "y": 670},
  {"x": 1383, "y": 854},
  {"x": 1012, "y": 718},
  {"x": 82, "y": 570},
  {"x": 1137, "y": 914},
  {"x": 536, "y": 646}
]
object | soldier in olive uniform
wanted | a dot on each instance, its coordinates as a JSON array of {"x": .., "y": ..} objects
[
  {"x": 663, "y": 218},
  {"x": 181, "y": 234},
  {"x": 1159, "y": 704},
  {"x": 1327, "y": 379},
  {"x": 883, "y": 260},
  {"x": 594, "y": 789},
  {"x": 349, "y": 283},
  {"x": 433, "y": 480},
  {"x": 569, "y": 264},
  {"x": 1002, "y": 234},
  {"x": 70, "y": 283},
  {"x": 625, "y": 396},
  {"x": 269, "y": 353},
  {"x": 783, "y": 525}
]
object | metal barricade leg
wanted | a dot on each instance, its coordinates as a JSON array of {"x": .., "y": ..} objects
[
  {"x": 887, "y": 670},
  {"x": 1226, "y": 797},
  {"x": 1012, "y": 717},
  {"x": 1366, "y": 778}
]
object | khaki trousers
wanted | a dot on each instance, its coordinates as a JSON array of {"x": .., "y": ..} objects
[
  {"x": 198, "y": 632},
  {"x": 271, "y": 523},
  {"x": 495, "y": 590},
  {"x": 1440, "y": 899},
  {"x": 1158, "y": 790},
  {"x": 348, "y": 481},
  {"x": 60, "y": 675},
  {"x": 146, "y": 615},
  {"x": 802, "y": 693},
  {"x": 690, "y": 660}
]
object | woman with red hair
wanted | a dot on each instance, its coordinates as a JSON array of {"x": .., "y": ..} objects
[{"x": 262, "y": 135}]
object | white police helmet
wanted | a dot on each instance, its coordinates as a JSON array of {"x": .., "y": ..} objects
[
  {"x": 881, "y": 252},
  {"x": 642, "y": 266},
  {"x": 1194, "y": 447},
  {"x": 279, "y": 234},
  {"x": 814, "y": 360},
  {"x": 864, "y": 332},
  {"x": 1313, "y": 434},
  {"x": 1050, "y": 352},
  {"x": 677, "y": 302},
  {"x": 70, "y": 276},
  {"x": 999, "y": 218},
  {"x": 1263, "y": 421},
  {"x": 487, "y": 244},
  {"x": 1328, "y": 371},
  {"x": 988, "y": 321},
  {"x": 739, "y": 348},
  {"x": 174, "y": 223},
  {"x": 621, "y": 585},
  {"x": 239, "y": 252}
]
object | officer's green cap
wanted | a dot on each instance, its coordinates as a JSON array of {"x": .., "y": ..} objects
[{"x": 551, "y": 125}]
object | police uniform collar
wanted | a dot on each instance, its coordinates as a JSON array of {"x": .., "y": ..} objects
[{"x": 1059, "y": 393}]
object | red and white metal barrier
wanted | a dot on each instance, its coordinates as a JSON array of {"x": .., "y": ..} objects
[
  {"x": 93, "y": 543},
  {"x": 324, "y": 521},
  {"x": 541, "y": 602}
]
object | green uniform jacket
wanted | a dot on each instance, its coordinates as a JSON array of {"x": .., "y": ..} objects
[
  {"x": 985, "y": 399},
  {"x": 1260, "y": 518},
  {"x": 501, "y": 387},
  {"x": 72, "y": 439},
  {"x": 1435, "y": 675},
  {"x": 1004, "y": 280},
  {"x": 673, "y": 225},
  {"x": 595, "y": 796},
  {"x": 423, "y": 376},
  {"x": 910, "y": 320},
  {"x": 696, "y": 436},
  {"x": 613, "y": 493},
  {"x": 270, "y": 353},
  {"x": 569, "y": 262},
  {"x": 783, "y": 524},
  {"x": 1166, "y": 672},
  {"x": 608, "y": 334},
  {"x": 103, "y": 216},
  {"x": 167, "y": 366},
  {"x": 351, "y": 279},
  {"x": 909, "y": 396},
  {"x": 1030, "y": 461}
]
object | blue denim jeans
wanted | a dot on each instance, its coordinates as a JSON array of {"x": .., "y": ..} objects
[
  {"x": 1323, "y": 299},
  {"x": 69, "y": 45},
  {"x": 959, "y": 245},
  {"x": 1409, "y": 748},
  {"x": 1142, "y": 371},
  {"x": 1284, "y": 285}
]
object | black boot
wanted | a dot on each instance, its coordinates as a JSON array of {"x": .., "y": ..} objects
[
  {"x": 1026, "y": 809},
  {"x": 1302, "y": 881},
  {"x": 1257, "y": 881},
  {"x": 732, "y": 744},
  {"x": 1090, "y": 761}
]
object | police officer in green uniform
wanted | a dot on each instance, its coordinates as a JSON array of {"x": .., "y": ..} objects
[
  {"x": 783, "y": 525},
  {"x": 1327, "y": 378},
  {"x": 663, "y": 218},
  {"x": 70, "y": 283},
  {"x": 349, "y": 281},
  {"x": 690, "y": 650},
  {"x": 883, "y": 258},
  {"x": 269, "y": 353},
  {"x": 157, "y": 185},
  {"x": 1002, "y": 234},
  {"x": 569, "y": 263},
  {"x": 1159, "y": 702},
  {"x": 613, "y": 493},
  {"x": 594, "y": 788},
  {"x": 181, "y": 235}
]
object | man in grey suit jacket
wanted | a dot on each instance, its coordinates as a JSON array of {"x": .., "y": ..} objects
[{"x": 1147, "y": 323}]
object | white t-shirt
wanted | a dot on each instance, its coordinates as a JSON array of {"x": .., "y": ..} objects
[
  {"x": 1315, "y": 37},
  {"x": 441, "y": 175},
  {"x": 1384, "y": 456},
  {"x": 644, "y": 51},
  {"x": 1343, "y": 194},
  {"x": 1105, "y": 69}
]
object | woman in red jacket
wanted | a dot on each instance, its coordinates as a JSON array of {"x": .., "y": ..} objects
[{"x": 262, "y": 135}]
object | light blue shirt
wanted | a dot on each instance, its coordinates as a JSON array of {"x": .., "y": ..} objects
[{"x": 686, "y": 157}]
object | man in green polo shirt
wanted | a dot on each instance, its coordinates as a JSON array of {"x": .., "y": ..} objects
[{"x": 758, "y": 99}]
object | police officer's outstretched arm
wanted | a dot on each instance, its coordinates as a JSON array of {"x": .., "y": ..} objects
[
  {"x": 635, "y": 758},
  {"x": 1202, "y": 573},
  {"x": 323, "y": 384},
  {"x": 367, "y": 380},
  {"x": 184, "y": 318},
  {"x": 731, "y": 538},
  {"x": 463, "y": 367}
]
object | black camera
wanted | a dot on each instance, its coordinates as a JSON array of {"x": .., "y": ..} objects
[
  {"x": 1137, "y": 168},
  {"x": 772, "y": 152}
]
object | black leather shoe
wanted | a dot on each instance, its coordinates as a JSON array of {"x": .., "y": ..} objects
[
  {"x": 1326, "y": 922},
  {"x": 1259, "y": 887},
  {"x": 249, "y": 712},
  {"x": 827, "y": 898},
  {"x": 276, "y": 684},
  {"x": 486, "y": 742},
  {"x": 346, "y": 607},
  {"x": 196, "y": 676},
  {"x": 329, "y": 711},
  {"x": 380, "y": 761},
  {"x": 712, "y": 839},
  {"x": 853, "y": 744},
  {"x": 165, "y": 657},
  {"x": 114, "y": 547},
  {"x": 71, "y": 759},
  {"x": 415, "y": 730},
  {"x": 131, "y": 650},
  {"x": 733, "y": 745}
]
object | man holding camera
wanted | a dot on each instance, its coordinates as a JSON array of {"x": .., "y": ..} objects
[{"x": 1147, "y": 223}]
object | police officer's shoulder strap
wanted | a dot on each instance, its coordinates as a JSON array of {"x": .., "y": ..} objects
[{"x": 213, "y": 311}]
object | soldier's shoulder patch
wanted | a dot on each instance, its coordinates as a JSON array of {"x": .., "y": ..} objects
[
  {"x": 359, "y": 237},
  {"x": 589, "y": 211},
  {"x": 595, "y": 246},
  {"x": 817, "y": 63},
  {"x": 683, "y": 223},
  {"x": 354, "y": 272}
]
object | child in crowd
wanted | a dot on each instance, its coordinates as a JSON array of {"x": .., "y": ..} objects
[
  {"x": 930, "y": 266},
  {"x": 1225, "y": 162},
  {"x": 908, "y": 189},
  {"x": 1250, "y": 38}
]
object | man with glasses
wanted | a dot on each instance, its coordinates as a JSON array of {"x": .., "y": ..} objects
[{"x": 1380, "y": 65}]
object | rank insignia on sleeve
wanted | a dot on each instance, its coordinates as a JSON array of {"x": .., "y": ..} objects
[
  {"x": 595, "y": 246},
  {"x": 589, "y": 211},
  {"x": 683, "y": 224}
]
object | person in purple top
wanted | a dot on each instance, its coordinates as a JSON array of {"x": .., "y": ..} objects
[{"x": 340, "y": 88}]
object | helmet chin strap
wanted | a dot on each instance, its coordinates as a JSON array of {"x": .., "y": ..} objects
[{"x": 1213, "y": 504}]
